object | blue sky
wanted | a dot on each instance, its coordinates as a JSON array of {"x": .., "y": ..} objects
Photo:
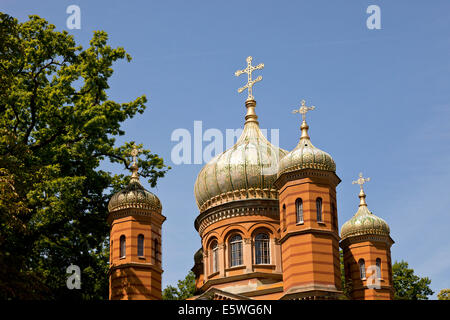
[{"x": 382, "y": 100}]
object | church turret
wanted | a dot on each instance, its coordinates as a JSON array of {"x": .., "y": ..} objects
[
  {"x": 366, "y": 245},
  {"x": 135, "y": 241},
  {"x": 238, "y": 220},
  {"x": 308, "y": 220}
]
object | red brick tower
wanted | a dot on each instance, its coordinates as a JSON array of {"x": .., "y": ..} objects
[
  {"x": 135, "y": 242},
  {"x": 366, "y": 243},
  {"x": 308, "y": 221}
]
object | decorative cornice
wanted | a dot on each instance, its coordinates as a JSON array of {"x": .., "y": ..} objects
[
  {"x": 117, "y": 214},
  {"x": 261, "y": 207},
  {"x": 260, "y": 292},
  {"x": 144, "y": 206},
  {"x": 236, "y": 195},
  {"x": 211, "y": 282},
  {"x": 312, "y": 292},
  {"x": 302, "y": 173},
  {"x": 302, "y": 166},
  {"x": 212, "y": 293},
  {"x": 366, "y": 237},
  {"x": 308, "y": 231},
  {"x": 365, "y": 232},
  {"x": 134, "y": 265}
]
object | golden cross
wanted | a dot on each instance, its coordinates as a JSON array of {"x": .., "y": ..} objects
[
  {"x": 135, "y": 153},
  {"x": 250, "y": 82},
  {"x": 361, "y": 180},
  {"x": 303, "y": 110}
]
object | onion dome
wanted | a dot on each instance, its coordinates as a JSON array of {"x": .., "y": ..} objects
[
  {"x": 245, "y": 171},
  {"x": 305, "y": 155},
  {"x": 198, "y": 256},
  {"x": 134, "y": 196},
  {"x": 364, "y": 222}
]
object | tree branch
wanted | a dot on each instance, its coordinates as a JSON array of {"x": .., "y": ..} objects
[
  {"x": 102, "y": 154},
  {"x": 33, "y": 100},
  {"x": 60, "y": 131}
]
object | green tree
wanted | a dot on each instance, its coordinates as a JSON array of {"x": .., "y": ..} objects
[
  {"x": 345, "y": 283},
  {"x": 186, "y": 289},
  {"x": 407, "y": 285},
  {"x": 444, "y": 294},
  {"x": 56, "y": 125}
]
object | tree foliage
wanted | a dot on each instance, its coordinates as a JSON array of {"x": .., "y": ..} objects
[
  {"x": 56, "y": 125},
  {"x": 444, "y": 294},
  {"x": 346, "y": 283},
  {"x": 185, "y": 289},
  {"x": 407, "y": 285}
]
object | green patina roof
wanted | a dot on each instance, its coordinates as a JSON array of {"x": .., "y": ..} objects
[
  {"x": 364, "y": 222},
  {"x": 245, "y": 171},
  {"x": 306, "y": 156}
]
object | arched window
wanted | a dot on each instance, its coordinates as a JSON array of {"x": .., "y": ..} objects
[
  {"x": 215, "y": 256},
  {"x": 319, "y": 209},
  {"x": 299, "y": 210},
  {"x": 362, "y": 269},
  {"x": 283, "y": 218},
  {"x": 122, "y": 246},
  {"x": 156, "y": 251},
  {"x": 262, "y": 250},
  {"x": 235, "y": 250},
  {"x": 140, "y": 245},
  {"x": 378, "y": 263}
]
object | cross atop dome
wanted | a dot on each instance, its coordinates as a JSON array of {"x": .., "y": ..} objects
[
  {"x": 303, "y": 110},
  {"x": 134, "y": 167},
  {"x": 362, "y": 196},
  {"x": 134, "y": 153},
  {"x": 361, "y": 181},
  {"x": 250, "y": 82}
]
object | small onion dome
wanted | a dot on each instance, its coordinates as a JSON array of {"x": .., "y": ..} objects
[
  {"x": 134, "y": 196},
  {"x": 364, "y": 222},
  {"x": 306, "y": 156},
  {"x": 245, "y": 171},
  {"x": 198, "y": 256}
]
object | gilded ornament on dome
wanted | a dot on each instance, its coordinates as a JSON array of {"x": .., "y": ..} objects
[{"x": 248, "y": 70}]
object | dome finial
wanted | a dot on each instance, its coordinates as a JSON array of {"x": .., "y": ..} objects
[
  {"x": 364, "y": 222},
  {"x": 250, "y": 82},
  {"x": 134, "y": 167},
  {"x": 303, "y": 110},
  {"x": 362, "y": 195}
]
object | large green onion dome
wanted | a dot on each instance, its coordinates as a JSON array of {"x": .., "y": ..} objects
[{"x": 245, "y": 171}]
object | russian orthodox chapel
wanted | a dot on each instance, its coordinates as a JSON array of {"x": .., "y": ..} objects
[{"x": 268, "y": 224}]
